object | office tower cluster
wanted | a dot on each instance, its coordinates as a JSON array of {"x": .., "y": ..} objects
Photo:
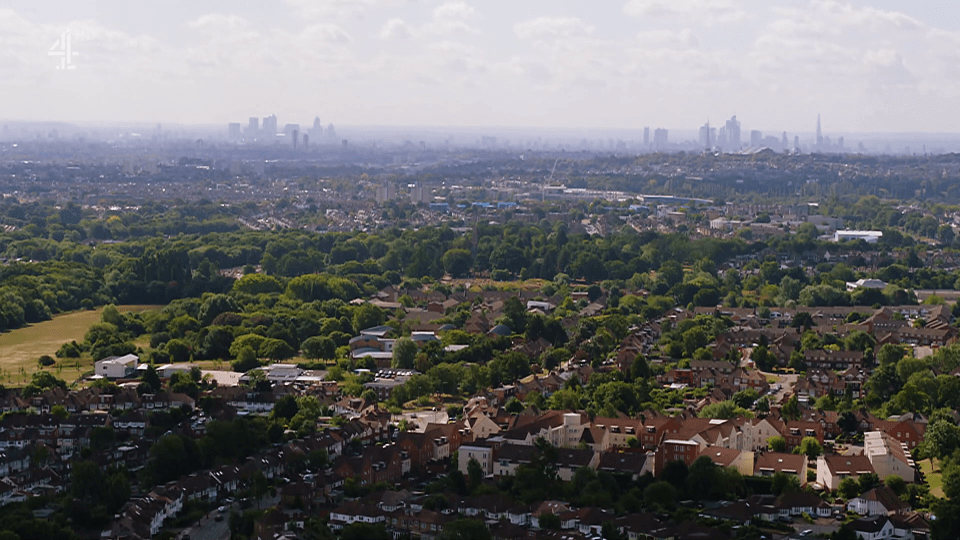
[{"x": 266, "y": 131}]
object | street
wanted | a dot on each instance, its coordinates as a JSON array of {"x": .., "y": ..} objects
[
  {"x": 211, "y": 529},
  {"x": 786, "y": 380}
]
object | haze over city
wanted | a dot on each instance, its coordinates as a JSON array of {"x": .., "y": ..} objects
[{"x": 866, "y": 66}]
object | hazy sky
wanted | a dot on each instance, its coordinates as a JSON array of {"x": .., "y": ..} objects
[{"x": 865, "y": 65}]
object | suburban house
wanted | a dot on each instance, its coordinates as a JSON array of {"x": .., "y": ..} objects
[
  {"x": 831, "y": 470},
  {"x": 879, "y": 501},
  {"x": 770, "y": 463},
  {"x": 730, "y": 457}
]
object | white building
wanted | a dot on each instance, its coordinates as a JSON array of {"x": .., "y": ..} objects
[
  {"x": 116, "y": 367},
  {"x": 888, "y": 456},
  {"x": 870, "y": 237},
  {"x": 866, "y": 284},
  {"x": 483, "y": 454}
]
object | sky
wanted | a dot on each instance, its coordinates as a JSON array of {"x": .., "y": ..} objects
[{"x": 864, "y": 65}]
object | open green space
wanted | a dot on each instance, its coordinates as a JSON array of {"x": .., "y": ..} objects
[
  {"x": 931, "y": 470},
  {"x": 21, "y": 348}
]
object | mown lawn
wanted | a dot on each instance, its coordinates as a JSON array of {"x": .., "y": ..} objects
[
  {"x": 21, "y": 348},
  {"x": 931, "y": 471}
]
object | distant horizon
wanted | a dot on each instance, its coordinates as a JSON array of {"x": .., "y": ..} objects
[{"x": 527, "y": 128}]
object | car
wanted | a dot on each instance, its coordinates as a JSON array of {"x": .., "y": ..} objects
[
  {"x": 218, "y": 518},
  {"x": 806, "y": 532},
  {"x": 222, "y": 509}
]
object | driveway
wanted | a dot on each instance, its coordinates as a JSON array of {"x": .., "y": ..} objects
[{"x": 819, "y": 526}]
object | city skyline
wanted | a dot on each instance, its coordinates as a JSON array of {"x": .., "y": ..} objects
[{"x": 868, "y": 66}]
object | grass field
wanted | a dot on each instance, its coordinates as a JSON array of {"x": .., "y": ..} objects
[
  {"x": 931, "y": 470},
  {"x": 20, "y": 348}
]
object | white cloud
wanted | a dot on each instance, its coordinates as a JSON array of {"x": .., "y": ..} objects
[
  {"x": 553, "y": 28},
  {"x": 314, "y": 9},
  {"x": 452, "y": 18},
  {"x": 708, "y": 11},
  {"x": 396, "y": 29}
]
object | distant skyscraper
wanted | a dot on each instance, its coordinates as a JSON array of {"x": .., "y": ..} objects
[
  {"x": 253, "y": 126},
  {"x": 270, "y": 126},
  {"x": 316, "y": 124},
  {"x": 646, "y": 137},
  {"x": 755, "y": 138},
  {"x": 296, "y": 136},
  {"x": 784, "y": 143},
  {"x": 796, "y": 143},
  {"x": 306, "y": 142},
  {"x": 660, "y": 139},
  {"x": 233, "y": 130},
  {"x": 331, "y": 132},
  {"x": 733, "y": 134},
  {"x": 706, "y": 141},
  {"x": 819, "y": 134}
]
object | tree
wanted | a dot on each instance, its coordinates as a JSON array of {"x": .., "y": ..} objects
[
  {"x": 317, "y": 347},
  {"x": 514, "y": 406},
  {"x": 941, "y": 438},
  {"x": 675, "y": 472},
  {"x": 784, "y": 483},
  {"x": 609, "y": 531},
  {"x": 152, "y": 378},
  {"x": 465, "y": 529},
  {"x": 791, "y": 409},
  {"x": 763, "y": 358},
  {"x": 811, "y": 447},
  {"x": 660, "y": 494},
  {"x": 745, "y": 398},
  {"x": 803, "y": 320},
  {"x": 367, "y": 316},
  {"x": 246, "y": 360},
  {"x": 722, "y": 409},
  {"x": 276, "y": 349},
  {"x": 896, "y": 484},
  {"x": 213, "y": 305},
  {"x": 951, "y": 481},
  {"x": 550, "y": 521},
  {"x": 702, "y": 478},
  {"x": 404, "y": 353},
  {"x": 474, "y": 475},
  {"x": 259, "y": 486},
  {"x": 868, "y": 481},
  {"x": 848, "y": 488},
  {"x": 365, "y": 531},
  {"x": 60, "y": 412},
  {"x": 777, "y": 443},
  {"x": 178, "y": 350},
  {"x": 41, "y": 381},
  {"x": 285, "y": 407},
  {"x": 457, "y": 262},
  {"x": 515, "y": 315}
]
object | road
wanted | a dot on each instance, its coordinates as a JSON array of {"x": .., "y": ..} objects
[
  {"x": 210, "y": 529},
  {"x": 786, "y": 380}
]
